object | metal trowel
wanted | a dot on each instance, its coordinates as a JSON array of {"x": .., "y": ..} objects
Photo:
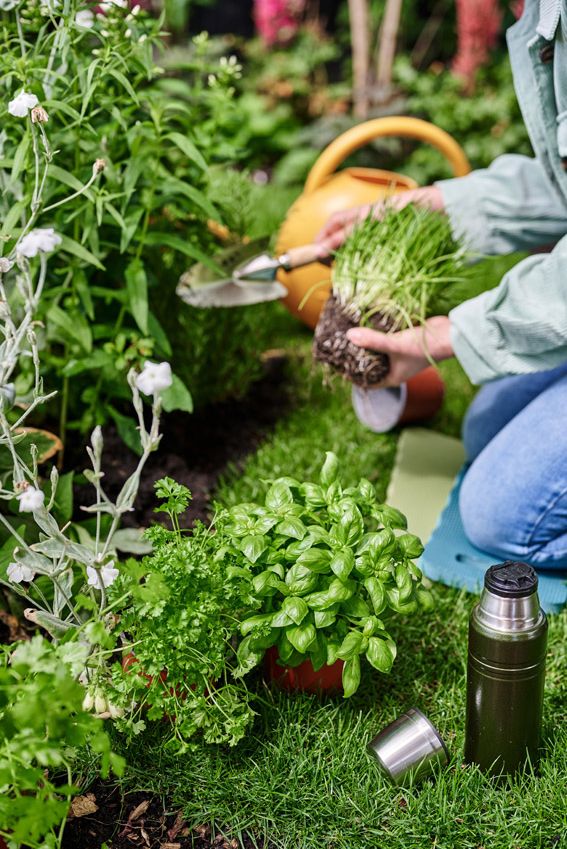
[{"x": 242, "y": 274}]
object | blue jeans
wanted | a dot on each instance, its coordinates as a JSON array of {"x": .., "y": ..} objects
[{"x": 513, "y": 499}]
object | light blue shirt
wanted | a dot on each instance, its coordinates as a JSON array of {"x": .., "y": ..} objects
[{"x": 518, "y": 204}]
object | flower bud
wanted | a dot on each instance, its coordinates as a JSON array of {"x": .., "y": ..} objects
[
  {"x": 5, "y": 265},
  {"x": 39, "y": 115},
  {"x": 88, "y": 701},
  {"x": 99, "y": 166},
  {"x": 100, "y": 703}
]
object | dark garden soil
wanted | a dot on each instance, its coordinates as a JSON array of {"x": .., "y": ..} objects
[
  {"x": 331, "y": 346},
  {"x": 195, "y": 449},
  {"x": 103, "y": 815}
]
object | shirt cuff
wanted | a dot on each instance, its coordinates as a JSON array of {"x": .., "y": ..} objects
[{"x": 462, "y": 201}]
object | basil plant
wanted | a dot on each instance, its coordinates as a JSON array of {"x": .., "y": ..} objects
[{"x": 331, "y": 566}]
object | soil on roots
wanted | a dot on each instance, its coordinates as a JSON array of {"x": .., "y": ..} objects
[{"x": 331, "y": 346}]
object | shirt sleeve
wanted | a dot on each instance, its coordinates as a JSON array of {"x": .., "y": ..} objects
[
  {"x": 510, "y": 206},
  {"x": 518, "y": 327}
]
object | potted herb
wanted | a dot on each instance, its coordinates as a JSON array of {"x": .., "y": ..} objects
[
  {"x": 331, "y": 569},
  {"x": 181, "y": 609},
  {"x": 385, "y": 276}
]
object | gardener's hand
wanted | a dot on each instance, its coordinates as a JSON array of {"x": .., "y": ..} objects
[
  {"x": 410, "y": 351},
  {"x": 340, "y": 224}
]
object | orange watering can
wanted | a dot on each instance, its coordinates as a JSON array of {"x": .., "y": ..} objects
[{"x": 327, "y": 192}]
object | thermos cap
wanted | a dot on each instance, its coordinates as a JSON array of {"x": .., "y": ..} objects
[
  {"x": 511, "y": 579},
  {"x": 409, "y": 748}
]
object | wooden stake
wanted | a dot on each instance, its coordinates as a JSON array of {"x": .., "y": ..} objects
[
  {"x": 360, "y": 39},
  {"x": 387, "y": 47}
]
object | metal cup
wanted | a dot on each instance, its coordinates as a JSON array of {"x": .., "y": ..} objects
[{"x": 409, "y": 749}]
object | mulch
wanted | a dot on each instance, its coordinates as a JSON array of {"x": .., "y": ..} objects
[
  {"x": 195, "y": 449},
  {"x": 141, "y": 820}
]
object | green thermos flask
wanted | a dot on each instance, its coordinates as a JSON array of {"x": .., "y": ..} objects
[{"x": 506, "y": 671}]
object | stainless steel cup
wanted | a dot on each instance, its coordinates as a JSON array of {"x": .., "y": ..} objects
[{"x": 409, "y": 749}]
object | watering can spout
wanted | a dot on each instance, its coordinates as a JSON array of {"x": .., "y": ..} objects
[{"x": 328, "y": 191}]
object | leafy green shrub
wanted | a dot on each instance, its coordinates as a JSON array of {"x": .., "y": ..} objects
[
  {"x": 42, "y": 724},
  {"x": 331, "y": 572},
  {"x": 135, "y": 149}
]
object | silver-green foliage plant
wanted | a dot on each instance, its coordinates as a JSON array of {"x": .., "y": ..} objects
[
  {"x": 332, "y": 566},
  {"x": 396, "y": 265}
]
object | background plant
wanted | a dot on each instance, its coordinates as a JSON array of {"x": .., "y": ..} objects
[
  {"x": 331, "y": 573},
  {"x": 126, "y": 238}
]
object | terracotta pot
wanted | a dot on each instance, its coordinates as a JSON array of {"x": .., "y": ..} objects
[
  {"x": 424, "y": 397},
  {"x": 328, "y": 679}
]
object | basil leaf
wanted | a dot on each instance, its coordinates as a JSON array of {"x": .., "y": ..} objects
[
  {"x": 332, "y": 649},
  {"x": 318, "y": 652},
  {"x": 390, "y": 517},
  {"x": 302, "y": 637},
  {"x": 330, "y": 469},
  {"x": 381, "y": 653},
  {"x": 253, "y": 547},
  {"x": 313, "y": 495},
  {"x": 264, "y": 583},
  {"x": 375, "y": 590},
  {"x": 324, "y": 618},
  {"x": 295, "y": 608},
  {"x": 278, "y": 497},
  {"x": 281, "y": 619},
  {"x": 404, "y": 581},
  {"x": 411, "y": 546},
  {"x": 247, "y": 657},
  {"x": 316, "y": 559},
  {"x": 339, "y": 591},
  {"x": 351, "y": 676},
  {"x": 342, "y": 564},
  {"x": 350, "y": 646},
  {"x": 291, "y": 527},
  {"x": 356, "y": 607}
]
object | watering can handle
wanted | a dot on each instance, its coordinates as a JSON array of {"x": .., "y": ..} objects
[{"x": 395, "y": 125}]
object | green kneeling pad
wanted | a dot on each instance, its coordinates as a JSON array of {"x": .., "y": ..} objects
[{"x": 425, "y": 486}]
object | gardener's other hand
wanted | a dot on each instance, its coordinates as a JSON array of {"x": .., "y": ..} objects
[
  {"x": 410, "y": 351},
  {"x": 340, "y": 224}
]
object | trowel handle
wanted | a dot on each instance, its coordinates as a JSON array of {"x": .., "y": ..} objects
[{"x": 303, "y": 255}]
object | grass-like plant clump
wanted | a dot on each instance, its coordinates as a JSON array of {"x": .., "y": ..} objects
[{"x": 386, "y": 275}]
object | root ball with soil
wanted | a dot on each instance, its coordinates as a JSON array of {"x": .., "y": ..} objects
[{"x": 386, "y": 275}]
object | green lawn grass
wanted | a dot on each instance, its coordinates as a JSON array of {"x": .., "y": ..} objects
[{"x": 303, "y": 779}]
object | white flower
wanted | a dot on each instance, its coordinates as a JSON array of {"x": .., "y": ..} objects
[
  {"x": 104, "y": 576},
  {"x": 21, "y": 104},
  {"x": 47, "y": 6},
  {"x": 154, "y": 378},
  {"x": 5, "y": 265},
  {"x": 8, "y": 5},
  {"x": 84, "y": 18},
  {"x": 18, "y": 572},
  {"x": 31, "y": 499},
  {"x": 40, "y": 240}
]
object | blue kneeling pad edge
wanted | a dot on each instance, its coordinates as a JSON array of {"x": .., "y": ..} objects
[{"x": 452, "y": 560}]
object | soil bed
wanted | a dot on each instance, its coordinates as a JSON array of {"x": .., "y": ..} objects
[
  {"x": 195, "y": 449},
  {"x": 140, "y": 819},
  {"x": 331, "y": 346}
]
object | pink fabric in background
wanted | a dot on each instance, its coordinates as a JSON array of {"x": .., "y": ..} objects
[{"x": 277, "y": 20}]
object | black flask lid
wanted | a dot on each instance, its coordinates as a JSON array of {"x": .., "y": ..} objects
[{"x": 511, "y": 579}]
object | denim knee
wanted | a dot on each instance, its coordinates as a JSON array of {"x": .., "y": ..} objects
[{"x": 484, "y": 519}]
